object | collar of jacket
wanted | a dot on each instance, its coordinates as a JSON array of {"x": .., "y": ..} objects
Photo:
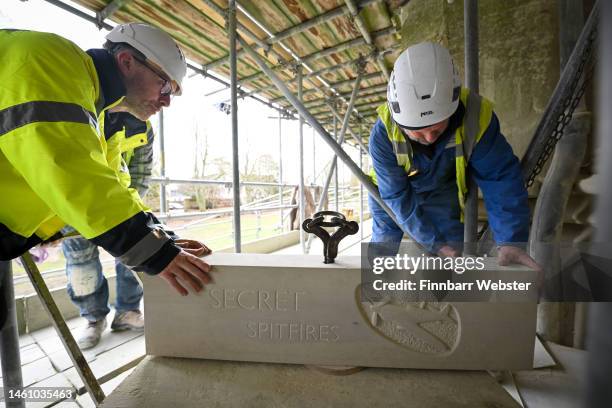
[
  {"x": 117, "y": 121},
  {"x": 454, "y": 122},
  {"x": 112, "y": 88}
]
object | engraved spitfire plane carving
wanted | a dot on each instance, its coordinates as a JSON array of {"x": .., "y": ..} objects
[{"x": 408, "y": 317}]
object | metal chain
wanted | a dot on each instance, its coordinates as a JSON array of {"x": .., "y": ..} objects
[{"x": 569, "y": 105}]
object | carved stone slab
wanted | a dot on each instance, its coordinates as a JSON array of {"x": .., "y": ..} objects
[{"x": 295, "y": 309}]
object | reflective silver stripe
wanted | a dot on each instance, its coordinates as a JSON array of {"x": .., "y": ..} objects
[
  {"x": 471, "y": 122},
  {"x": 453, "y": 143},
  {"x": 404, "y": 148},
  {"x": 144, "y": 249},
  {"x": 401, "y": 147},
  {"x": 23, "y": 114}
]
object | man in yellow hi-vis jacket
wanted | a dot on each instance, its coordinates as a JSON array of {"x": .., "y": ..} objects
[
  {"x": 53, "y": 159},
  {"x": 129, "y": 151}
]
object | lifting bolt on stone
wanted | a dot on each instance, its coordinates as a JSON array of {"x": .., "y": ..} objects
[{"x": 315, "y": 226}]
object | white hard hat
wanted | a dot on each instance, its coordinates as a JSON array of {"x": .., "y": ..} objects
[
  {"x": 424, "y": 86},
  {"x": 156, "y": 45}
]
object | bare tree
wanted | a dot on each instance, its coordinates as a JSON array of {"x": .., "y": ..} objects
[
  {"x": 264, "y": 169},
  {"x": 310, "y": 206},
  {"x": 204, "y": 168}
]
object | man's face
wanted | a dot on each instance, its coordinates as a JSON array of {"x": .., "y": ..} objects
[
  {"x": 427, "y": 135},
  {"x": 143, "y": 85}
]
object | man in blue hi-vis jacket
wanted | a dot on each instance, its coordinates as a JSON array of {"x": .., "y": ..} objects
[{"x": 429, "y": 133}]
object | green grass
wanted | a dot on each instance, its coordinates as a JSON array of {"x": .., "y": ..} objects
[{"x": 217, "y": 233}]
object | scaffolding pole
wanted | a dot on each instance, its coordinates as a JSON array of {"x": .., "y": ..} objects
[
  {"x": 226, "y": 183},
  {"x": 9, "y": 338},
  {"x": 334, "y": 85},
  {"x": 535, "y": 156},
  {"x": 314, "y": 163},
  {"x": 367, "y": 36},
  {"x": 163, "y": 206},
  {"x": 280, "y": 170},
  {"x": 599, "y": 358},
  {"x": 366, "y": 91},
  {"x": 354, "y": 168},
  {"x": 301, "y": 209},
  {"x": 357, "y": 138},
  {"x": 470, "y": 15},
  {"x": 360, "y": 193},
  {"x": 265, "y": 44},
  {"x": 316, "y": 55},
  {"x": 335, "y": 166},
  {"x": 281, "y": 64},
  {"x": 200, "y": 71},
  {"x": 109, "y": 10},
  {"x": 231, "y": 23},
  {"x": 339, "y": 140},
  {"x": 72, "y": 348},
  {"x": 238, "y": 26},
  {"x": 305, "y": 60},
  {"x": 333, "y": 68},
  {"x": 317, "y": 20}
]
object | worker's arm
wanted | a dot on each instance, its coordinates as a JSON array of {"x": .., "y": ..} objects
[
  {"x": 498, "y": 174},
  {"x": 52, "y": 144},
  {"x": 396, "y": 191},
  {"x": 64, "y": 165}
]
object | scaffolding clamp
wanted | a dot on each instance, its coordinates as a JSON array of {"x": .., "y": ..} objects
[
  {"x": 315, "y": 226},
  {"x": 360, "y": 64}
]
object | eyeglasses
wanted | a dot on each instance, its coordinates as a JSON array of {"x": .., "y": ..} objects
[{"x": 166, "y": 88}]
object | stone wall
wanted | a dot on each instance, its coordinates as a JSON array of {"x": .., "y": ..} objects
[{"x": 519, "y": 54}]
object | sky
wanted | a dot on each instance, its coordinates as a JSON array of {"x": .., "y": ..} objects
[{"x": 194, "y": 111}]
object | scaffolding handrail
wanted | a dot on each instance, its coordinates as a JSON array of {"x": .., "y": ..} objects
[
  {"x": 168, "y": 180},
  {"x": 221, "y": 212}
]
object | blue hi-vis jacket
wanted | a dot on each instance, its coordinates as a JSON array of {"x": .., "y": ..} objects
[{"x": 426, "y": 204}]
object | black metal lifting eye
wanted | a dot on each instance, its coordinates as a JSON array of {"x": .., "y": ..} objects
[{"x": 315, "y": 226}]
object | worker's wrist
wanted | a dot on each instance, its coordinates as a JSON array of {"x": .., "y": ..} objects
[
  {"x": 520, "y": 245},
  {"x": 435, "y": 247},
  {"x": 155, "y": 223},
  {"x": 158, "y": 262}
]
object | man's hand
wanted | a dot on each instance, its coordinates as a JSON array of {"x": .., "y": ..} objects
[
  {"x": 39, "y": 253},
  {"x": 193, "y": 247},
  {"x": 185, "y": 269},
  {"x": 448, "y": 251},
  {"x": 507, "y": 255}
]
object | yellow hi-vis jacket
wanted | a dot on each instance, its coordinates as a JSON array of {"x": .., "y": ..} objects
[
  {"x": 121, "y": 143},
  {"x": 478, "y": 113},
  {"x": 53, "y": 161}
]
